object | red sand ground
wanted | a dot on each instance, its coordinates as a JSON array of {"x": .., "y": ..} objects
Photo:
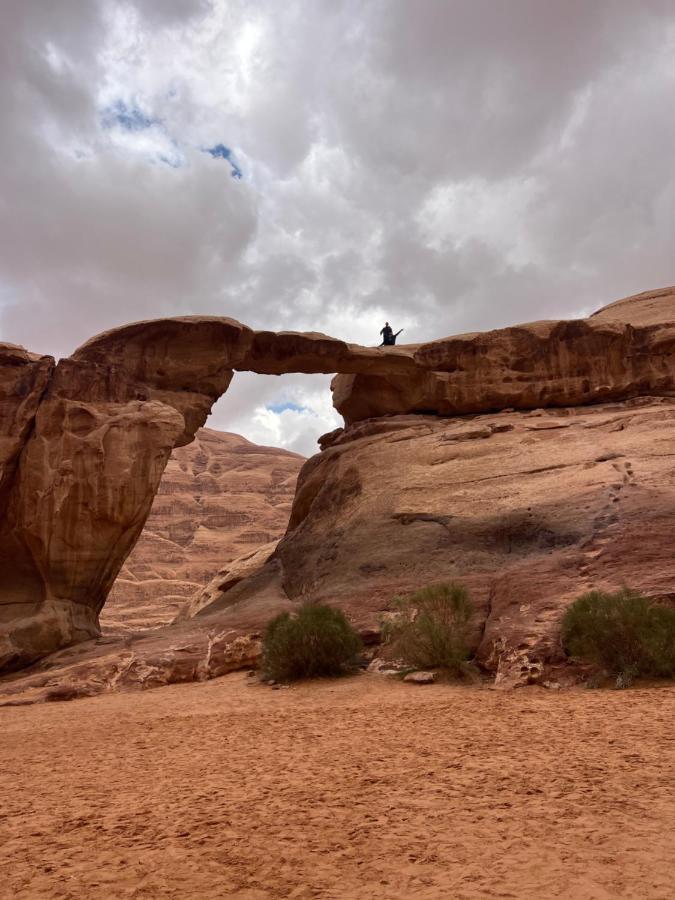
[{"x": 362, "y": 788}]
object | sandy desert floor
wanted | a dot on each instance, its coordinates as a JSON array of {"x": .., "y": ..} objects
[{"x": 362, "y": 788}]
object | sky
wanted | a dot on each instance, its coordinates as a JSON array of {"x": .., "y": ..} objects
[{"x": 324, "y": 165}]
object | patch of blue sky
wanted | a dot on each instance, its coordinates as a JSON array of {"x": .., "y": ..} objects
[
  {"x": 280, "y": 407},
  {"x": 130, "y": 118},
  {"x": 220, "y": 151},
  {"x": 127, "y": 116},
  {"x": 136, "y": 131}
]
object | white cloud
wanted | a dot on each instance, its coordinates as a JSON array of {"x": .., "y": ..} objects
[
  {"x": 288, "y": 411},
  {"x": 492, "y": 213}
]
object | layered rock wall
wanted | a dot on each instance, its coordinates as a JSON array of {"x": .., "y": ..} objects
[
  {"x": 525, "y": 367},
  {"x": 220, "y": 498}
]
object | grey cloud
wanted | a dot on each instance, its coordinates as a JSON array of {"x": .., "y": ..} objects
[
  {"x": 170, "y": 12},
  {"x": 448, "y": 165}
]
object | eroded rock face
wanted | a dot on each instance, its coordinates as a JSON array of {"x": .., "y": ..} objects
[
  {"x": 170, "y": 656},
  {"x": 625, "y": 350},
  {"x": 648, "y": 308},
  {"x": 220, "y": 498},
  {"x": 83, "y": 447},
  {"x": 23, "y": 379},
  {"x": 89, "y": 467},
  {"x": 84, "y": 490},
  {"x": 528, "y": 510}
]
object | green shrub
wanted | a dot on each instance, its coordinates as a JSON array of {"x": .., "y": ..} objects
[
  {"x": 317, "y": 641},
  {"x": 431, "y": 628},
  {"x": 624, "y": 633}
]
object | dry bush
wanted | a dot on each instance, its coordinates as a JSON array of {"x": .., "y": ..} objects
[
  {"x": 624, "y": 634},
  {"x": 317, "y": 641},
  {"x": 431, "y": 628}
]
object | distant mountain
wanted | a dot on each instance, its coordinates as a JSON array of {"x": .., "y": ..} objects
[{"x": 220, "y": 497}]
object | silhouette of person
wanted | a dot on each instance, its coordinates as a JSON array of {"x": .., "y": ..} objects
[{"x": 388, "y": 336}]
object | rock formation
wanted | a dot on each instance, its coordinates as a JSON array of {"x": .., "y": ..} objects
[
  {"x": 611, "y": 356},
  {"x": 220, "y": 497},
  {"x": 23, "y": 379},
  {"x": 84, "y": 444},
  {"x": 527, "y": 510}
]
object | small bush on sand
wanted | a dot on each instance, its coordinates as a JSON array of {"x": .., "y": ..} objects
[
  {"x": 317, "y": 641},
  {"x": 431, "y": 628},
  {"x": 625, "y": 634}
]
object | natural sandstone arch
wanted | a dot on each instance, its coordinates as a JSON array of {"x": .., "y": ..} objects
[{"x": 83, "y": 444}]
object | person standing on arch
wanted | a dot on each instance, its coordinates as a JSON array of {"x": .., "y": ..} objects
[{"x": 388, "y": 336}]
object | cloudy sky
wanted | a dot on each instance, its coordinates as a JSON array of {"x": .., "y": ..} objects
[{"x": 324, "y": 165}]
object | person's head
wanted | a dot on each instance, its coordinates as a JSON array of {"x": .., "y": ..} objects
[{"x": 386, "y": 324}]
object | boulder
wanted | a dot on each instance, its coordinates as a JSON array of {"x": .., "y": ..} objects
[{"x": 420, "y": 678}]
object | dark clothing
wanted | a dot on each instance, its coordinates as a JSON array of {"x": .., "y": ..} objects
[{"x": 388, "y": 336}]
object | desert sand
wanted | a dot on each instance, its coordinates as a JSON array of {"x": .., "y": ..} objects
[{"x": 359, "y": 788}]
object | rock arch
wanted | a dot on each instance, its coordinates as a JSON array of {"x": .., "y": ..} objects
[{"x": 83, "y": 443}]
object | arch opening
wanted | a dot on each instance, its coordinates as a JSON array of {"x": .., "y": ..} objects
[{"x": 224, "y": 498}]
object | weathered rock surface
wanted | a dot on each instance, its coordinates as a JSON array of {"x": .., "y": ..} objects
[
  {"x": 165, "y": 353},
  {"x": 528, "y": 510},
  {"x": 88, "y": 471},
  {"x": 420, "y": 677},
  {"x": 84, "y": 489},
  {"x": 626, "y": 350},
  {"x": 228, "y": 577},
  {"x": 83, "y": 447},
  {"x": 220, "y": 499},
  {"x": 23, "y": 379},
  {"x": 648, "y": 308},
  {"x": 104, "y": 665},
  {"x": 84, "y": 453}
]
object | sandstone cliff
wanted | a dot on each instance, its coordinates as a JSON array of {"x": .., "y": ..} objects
[
  {"x": 23, "y": 380},
  {"x": 624, "y": 351},
  {"x": 528, "y": 510},
  {"x": 83, "y": 447},
  {"x": 220, "y": 498}
]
